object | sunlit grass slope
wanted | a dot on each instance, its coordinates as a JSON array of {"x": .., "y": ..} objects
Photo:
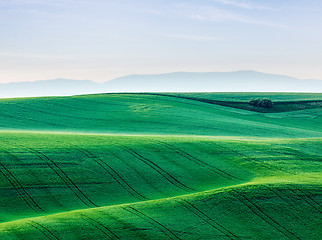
[
  {"x": 270, "y": 210},
  {"x": 153, "y": 114}
]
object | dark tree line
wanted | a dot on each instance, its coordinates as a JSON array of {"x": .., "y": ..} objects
[{"x": 264, "y": 103}]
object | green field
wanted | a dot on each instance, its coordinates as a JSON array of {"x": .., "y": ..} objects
[{"x": 161, "y": 166}]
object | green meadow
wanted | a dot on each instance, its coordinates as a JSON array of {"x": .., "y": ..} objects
[{"x": 161, "y": 166}]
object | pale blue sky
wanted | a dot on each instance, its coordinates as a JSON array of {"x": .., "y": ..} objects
[{"x": 103, "y": 39}]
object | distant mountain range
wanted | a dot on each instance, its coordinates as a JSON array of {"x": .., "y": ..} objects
[{"x": 239, "y": 81}]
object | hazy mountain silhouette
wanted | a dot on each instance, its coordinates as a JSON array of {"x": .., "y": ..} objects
[
  {"x": 240, "y": 81},
  {"x": 54, "y": 87}
]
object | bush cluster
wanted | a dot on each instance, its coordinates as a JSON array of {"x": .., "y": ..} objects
[{"x": 264, "y": 103}]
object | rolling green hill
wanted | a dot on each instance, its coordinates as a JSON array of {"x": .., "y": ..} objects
[
  {"x": 146, "y": 166},
  {"x": 154, "y": 114}
]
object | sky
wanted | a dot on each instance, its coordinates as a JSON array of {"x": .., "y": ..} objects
[{"x": 100, "y": 40}]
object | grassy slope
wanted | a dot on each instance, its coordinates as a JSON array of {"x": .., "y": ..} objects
[
  {"x": 265, "y": 211},
  {"x": 264, "y": 188},
  {"x": 279, "y": 174},
  {"x": 152, "y": 114},
  {"x": 94, "y": 171}
]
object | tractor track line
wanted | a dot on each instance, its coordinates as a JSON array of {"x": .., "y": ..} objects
[
  {"x": 20, "y": 194},
  {"x": 152, "y": 221},
  {"x": 42, "y": 229},
  {"x": 252, "y": 160},
  {"x": 258, "y": 212},
  {"x": 148, "y": 183},
  {"x": 283, "y": 197},
  {"x": 158, "y": 169},
  {"x": 207, "y": 219},
  {"x": 200, "y": 162},
  {"x": 36, "y": 207},
  {"x": 99, "y": 226},
  {"x": 308, "y": 199},
  {"x": 124, "y": 224},
  {"x": 115, "y": 175},
  {"x": 63, "y": 176}
]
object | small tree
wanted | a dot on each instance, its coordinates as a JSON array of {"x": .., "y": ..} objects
[
  {"x": 252, "y": 102},
  {"x": 255, "y": 102},
  {"x": 265, "y": 103}
]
